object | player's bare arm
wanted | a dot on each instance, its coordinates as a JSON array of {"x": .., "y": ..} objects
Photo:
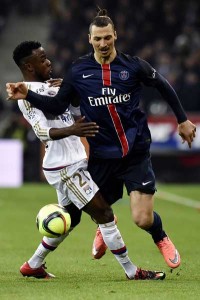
[
  {"x": 79, "y": 128},
  {"x": 187, "y": 131},
  {"x": 16, "y": 91}
]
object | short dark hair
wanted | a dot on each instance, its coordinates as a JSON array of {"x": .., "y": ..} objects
[
  {"x": 101, "y": 20},
  {"x": 24, "y": 50}
]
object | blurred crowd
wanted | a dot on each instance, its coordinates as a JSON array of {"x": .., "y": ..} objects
[
  {"x": 165, "y": 33},
  {"x": 8, "y": 8}
]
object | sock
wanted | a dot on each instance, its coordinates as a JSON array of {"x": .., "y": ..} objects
[
  {"x": 37, "y": 259},
  {"x": 115, "y": 243},
  {"x": 156, "y": 229},
  {"x": 46, "y": 246}
]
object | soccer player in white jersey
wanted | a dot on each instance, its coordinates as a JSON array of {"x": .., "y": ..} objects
[
  {"x": 65, "y": 168},
  {"x": 57, "y": 153}
]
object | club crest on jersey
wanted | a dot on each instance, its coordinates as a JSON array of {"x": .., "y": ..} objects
[
  {"x": 40, "y": 90},
  {"x": 87, "y": 189},
  {"x": 124, "y": 75},
  {"x": 51, "y": 93}
]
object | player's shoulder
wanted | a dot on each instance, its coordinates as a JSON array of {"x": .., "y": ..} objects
[
  {"x": 140, "y": 66},
  {"x": 34, "y": 85},
  {"x": 129, "y": 58},
  {"x": 83, "y": 59},
  {"x": 23, "y": 104},
  {"x": 42, "y": 88}
]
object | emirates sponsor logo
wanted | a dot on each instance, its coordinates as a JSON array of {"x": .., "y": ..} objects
[
  {"x": 109, "y": 97},
  {"x": 105, "y": 100}
]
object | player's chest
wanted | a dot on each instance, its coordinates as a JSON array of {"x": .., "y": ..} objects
[{"x": 105, "y": 79}]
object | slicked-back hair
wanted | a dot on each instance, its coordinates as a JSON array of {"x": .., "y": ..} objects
[
  {"x": 101, "y": 20},
  {"x": 24, "y": 50}
]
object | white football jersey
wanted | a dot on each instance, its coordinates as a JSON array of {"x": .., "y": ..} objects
[{"x": 58, "y": 153}]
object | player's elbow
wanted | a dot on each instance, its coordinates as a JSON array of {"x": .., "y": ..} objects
[{"x": 41, "y": 133}]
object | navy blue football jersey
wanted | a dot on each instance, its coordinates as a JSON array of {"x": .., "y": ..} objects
[{"x": 110, "y": 95}]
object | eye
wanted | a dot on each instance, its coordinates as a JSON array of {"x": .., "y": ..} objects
[{"x": 43, "y": 59}]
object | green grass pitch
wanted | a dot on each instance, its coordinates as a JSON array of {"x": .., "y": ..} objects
[{"x": 78, "y": 276}]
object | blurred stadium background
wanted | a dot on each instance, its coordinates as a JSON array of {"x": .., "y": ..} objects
[{"x": 165, "y": 33}]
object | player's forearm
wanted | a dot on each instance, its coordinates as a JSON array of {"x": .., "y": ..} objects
[
  {"x": 171, "y": 98},
  {"x": 60, "y": 133},
  {"x": 54, "y": 105}
]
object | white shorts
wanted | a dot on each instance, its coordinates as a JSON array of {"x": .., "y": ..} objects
[{"x": 73, "y": 184}]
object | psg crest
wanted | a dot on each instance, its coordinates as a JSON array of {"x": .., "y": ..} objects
[{"x": 124, "y": 75}]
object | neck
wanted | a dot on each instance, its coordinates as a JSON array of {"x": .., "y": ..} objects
[
  {"x": 31, "y": 78},
  {"x": 105, "y": 60}
]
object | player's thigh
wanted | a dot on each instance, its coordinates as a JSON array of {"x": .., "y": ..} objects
[
  {"x": 138, "y": 174},
  {"x": 102, "y": 172},
  {"x": 112, "y": 190},
  {"x": 54, "y": 179},
  {"x": 78, "y": 184},
  {"x": 74, "y": 184}
]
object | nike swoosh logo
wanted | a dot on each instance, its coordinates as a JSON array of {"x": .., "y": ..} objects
[
  {"x": 145, "y": 183},
  {"x": 86, "y": 76},
  {"x": 176, "y": 258}
]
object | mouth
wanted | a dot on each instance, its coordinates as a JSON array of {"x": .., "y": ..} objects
[
  {"x": 104, "y": 51},
  {"x": 50, "y": 71}
]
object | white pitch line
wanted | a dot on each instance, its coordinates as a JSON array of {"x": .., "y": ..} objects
[{"x": 178, "y": 199}]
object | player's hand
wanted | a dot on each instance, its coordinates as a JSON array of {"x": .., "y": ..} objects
[
  {"x": 56, "y": 82},
  {"x": 16, "y": 91},
  {"x": 84, "y": 129},
  {"x": 187, "y": 131}
]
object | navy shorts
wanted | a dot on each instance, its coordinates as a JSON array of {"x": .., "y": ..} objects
[{"x": 134, "y": 171}]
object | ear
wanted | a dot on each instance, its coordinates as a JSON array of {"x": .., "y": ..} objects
[
  {"x": 29, "y": 67},
  {"x": 89, "y": 38},
  {"x": 115, "y": 35}
]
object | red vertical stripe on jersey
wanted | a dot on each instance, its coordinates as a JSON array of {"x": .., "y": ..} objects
[
  {"x": 106, "y": 77},
  {"x": 106, "y": 74},
  {"x": 119, "y": 128}
]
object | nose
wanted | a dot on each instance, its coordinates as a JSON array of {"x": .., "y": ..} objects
[
  {"x": 48, "y": 62},
  {"x": 103, "y": 43}
]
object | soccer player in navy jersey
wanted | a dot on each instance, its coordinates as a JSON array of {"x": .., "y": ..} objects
[{"x": 108, "y": 85}]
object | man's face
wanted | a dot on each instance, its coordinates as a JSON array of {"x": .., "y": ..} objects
[
  {"x": 103, "y": 41},
  {"x": 39, "y": 65}
]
